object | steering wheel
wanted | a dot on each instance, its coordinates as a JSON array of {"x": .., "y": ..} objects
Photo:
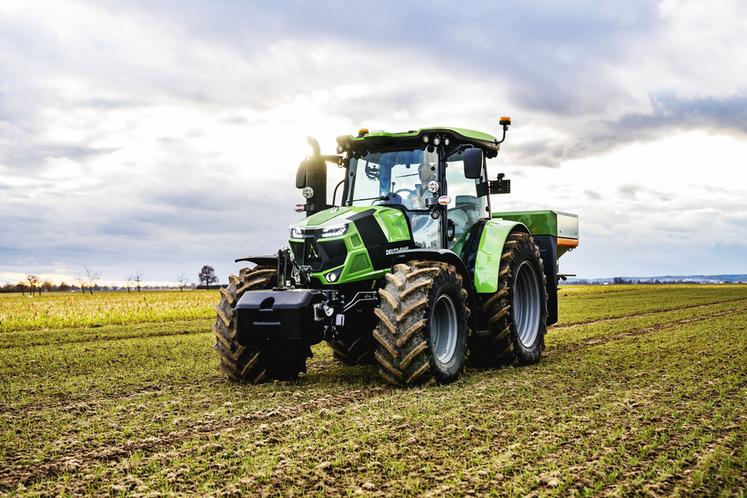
[
  {"x": 392, "y": 196},
  {"x": 408, "y": 190}
]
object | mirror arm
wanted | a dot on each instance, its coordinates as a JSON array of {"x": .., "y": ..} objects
[
  {"x": 334, "y": 194},
  {"x": 332, "y": 159}
]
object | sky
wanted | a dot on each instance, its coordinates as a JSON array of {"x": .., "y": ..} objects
[{"x": 157, "y": 137}]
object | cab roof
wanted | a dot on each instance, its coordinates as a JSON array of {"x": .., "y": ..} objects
[{"x": 382, "y": 140}]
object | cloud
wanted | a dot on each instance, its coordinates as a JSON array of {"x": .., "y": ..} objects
[
  {"x": 672, "y": 112},
  {"x": 165, "y": 136}
]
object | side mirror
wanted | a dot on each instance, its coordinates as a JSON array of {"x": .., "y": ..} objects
[
  {"x": 301, "y": 175},
  {"x": 473, "y": 163}
]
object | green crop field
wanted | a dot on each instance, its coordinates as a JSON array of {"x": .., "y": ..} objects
[{"x": 641, "y": 390}]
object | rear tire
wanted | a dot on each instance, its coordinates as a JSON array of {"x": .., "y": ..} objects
[
  {"x": 422, "y": 330},
  {"x": 516, "y": 315},
  {"x": 251, "y": 364}
]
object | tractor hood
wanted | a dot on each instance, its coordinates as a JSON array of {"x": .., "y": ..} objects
[
  {"x": 351, "y": 243},
  {"x": 324, "y": 217},
  {"x": 392, "y": 221}
]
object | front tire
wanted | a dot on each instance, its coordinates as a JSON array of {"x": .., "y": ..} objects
[
  {"x": 516, "y": 314},
  {"x": 422, "y": 330},
  {"x": 252, "y": 364}
]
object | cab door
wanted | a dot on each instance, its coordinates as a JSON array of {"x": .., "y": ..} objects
[{"x": 465, "y": 207}]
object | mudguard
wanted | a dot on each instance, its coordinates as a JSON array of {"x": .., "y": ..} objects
[
  {"x": 450, "y": 257},
  {"x": 489, "y": 251},
  {"x": 443, "y": 255},
  {"x": 260, "y": 260}
]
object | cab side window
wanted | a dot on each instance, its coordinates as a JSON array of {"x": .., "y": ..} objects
[{"x": 465, "y": 208}]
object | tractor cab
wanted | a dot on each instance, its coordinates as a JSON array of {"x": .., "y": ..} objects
[
  {"x": 433, "y": 191},
  {"x": 437, "y": 177}
]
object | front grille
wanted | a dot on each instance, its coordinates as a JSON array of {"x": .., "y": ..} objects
[
  {"x": 319, "y": 254},
  {"x": 333, "y": 252}
]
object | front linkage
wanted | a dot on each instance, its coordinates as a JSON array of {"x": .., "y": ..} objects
[{"x": 288, "y": 316}]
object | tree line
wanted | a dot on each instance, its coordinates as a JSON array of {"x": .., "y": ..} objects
[{"x": 88, "y": 282}]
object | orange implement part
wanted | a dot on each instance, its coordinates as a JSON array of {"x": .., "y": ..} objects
[{"x": 563, "y": 242}]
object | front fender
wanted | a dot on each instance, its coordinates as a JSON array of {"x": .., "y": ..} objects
[
  {"x": 489, "y": 251},
  {"x": 449, "y": 257},
  {"x": 443, "y": 255},
  {"x": 271, "y": 260}
]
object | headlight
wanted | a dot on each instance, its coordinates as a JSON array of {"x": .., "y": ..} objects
[
  {"x": 334, "y": 230},
  {"x": 330, "y": 231}
]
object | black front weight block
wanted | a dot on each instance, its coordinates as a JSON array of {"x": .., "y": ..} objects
[{"x": 271, "y": 317}]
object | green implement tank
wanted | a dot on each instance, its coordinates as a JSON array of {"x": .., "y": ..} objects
[{"x": 410, "y": 270}]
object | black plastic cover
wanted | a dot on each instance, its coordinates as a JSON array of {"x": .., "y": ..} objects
[
  {"x": 318, "y": 253},
  {"x": 272, "y": 316}
]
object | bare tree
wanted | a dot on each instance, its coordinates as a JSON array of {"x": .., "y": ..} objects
[
  {"x": 207, "y": 275},
  {"x": 92, "y": 277},
  {"x": 128, "y": 283},
  {"x": 182, "y": 281},
  {"x": 138, "y": 278},
  {"x": 33, "y": 281},
  {"x": 81, "y": 283}
]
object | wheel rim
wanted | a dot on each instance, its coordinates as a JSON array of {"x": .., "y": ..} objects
[
  {"x": 527, "y": 304},
  {"x": 443, "y": 328}
]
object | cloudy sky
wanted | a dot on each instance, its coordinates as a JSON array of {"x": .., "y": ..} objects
[{"x": 156, "y": 137}]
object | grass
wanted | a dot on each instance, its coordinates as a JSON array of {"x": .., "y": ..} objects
[
  {"x": 641, "y": 390},
  {"x": 53, "y": 311}
]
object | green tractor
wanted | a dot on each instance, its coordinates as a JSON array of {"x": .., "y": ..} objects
[{"x": 411, "y": 270}]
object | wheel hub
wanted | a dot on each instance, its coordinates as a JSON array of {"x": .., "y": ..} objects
[
  {"x": 527, "y": 304},
  {"x": 443, "y": 328}
]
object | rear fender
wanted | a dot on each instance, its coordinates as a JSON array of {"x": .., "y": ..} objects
[{"x": 489, "y": 251}]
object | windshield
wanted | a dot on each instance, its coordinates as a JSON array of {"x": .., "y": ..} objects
[{"x": 402, "y": 176}]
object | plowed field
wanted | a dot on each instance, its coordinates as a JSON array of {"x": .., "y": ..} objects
[{"x": 641, "y": 390}]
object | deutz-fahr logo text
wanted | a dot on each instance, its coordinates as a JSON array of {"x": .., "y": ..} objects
[{"x": 396, "y": 250}]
